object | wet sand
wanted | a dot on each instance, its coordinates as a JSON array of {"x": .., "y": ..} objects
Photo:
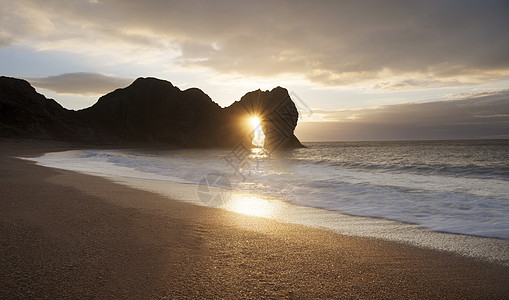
[{"x": 70, "y": 235}]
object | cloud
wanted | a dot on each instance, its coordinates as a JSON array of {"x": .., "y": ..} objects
[
  {"x": 405, "y": 84},
  {"x": 80, "y": 83},
  {"x": 478, "y": 116},
  {"x": 328, "y": 42}
]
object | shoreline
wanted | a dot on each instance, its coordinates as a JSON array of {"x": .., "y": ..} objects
[
  {"x": 69, "y": 234},
  {"x": 479, "y": 247},
  {"x": 494, "y": 250}
]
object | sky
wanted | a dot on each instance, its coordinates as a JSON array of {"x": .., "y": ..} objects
[{"x": 357, "y": 70}]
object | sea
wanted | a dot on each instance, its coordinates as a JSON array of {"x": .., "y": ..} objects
[{"x": 456, "y": 187}]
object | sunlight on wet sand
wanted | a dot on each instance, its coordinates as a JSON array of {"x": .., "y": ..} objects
[
  {"x": 252, "y": 205},
  {"x": 494, "y": 250}
]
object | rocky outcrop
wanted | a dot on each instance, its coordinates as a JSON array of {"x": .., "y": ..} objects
[
  {"x": 153, "y": 110},
  {"x": 277, "y": 113},
  {"x": 24, "y": 113},
  {"x": 150, "y": 110}
]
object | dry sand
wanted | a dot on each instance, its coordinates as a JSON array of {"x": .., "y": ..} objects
[{"x": 69, "y": 235}]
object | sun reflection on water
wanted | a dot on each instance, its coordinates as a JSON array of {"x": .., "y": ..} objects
[{"x": 258, "y": 152}]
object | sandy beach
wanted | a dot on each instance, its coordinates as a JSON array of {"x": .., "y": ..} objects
[{"x": 69, "y": 235}]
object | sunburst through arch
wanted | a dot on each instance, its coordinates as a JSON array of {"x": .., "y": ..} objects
[{"x": 259, "y": 136}]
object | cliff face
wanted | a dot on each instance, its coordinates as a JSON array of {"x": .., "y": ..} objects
[
  {"x": 153, "y": 110},
  {"x": 24, "y": 113},
  {"x": 149, "y": 110}
]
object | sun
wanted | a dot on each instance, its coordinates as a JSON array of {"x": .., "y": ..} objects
[
  {"x": 255, "y": 122},
  {"x": 259, "y": 136}
]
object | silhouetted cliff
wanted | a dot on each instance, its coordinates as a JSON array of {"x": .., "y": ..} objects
[
  {"x": 149, "y": 110},
  {"x": 153, "y": 110},
  {"x": 24, "y": 113}
]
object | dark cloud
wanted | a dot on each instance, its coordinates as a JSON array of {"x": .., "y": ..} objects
[
  {"x": 80, "y": 83},
  {"x": 330, "y": 42},
  {"x": 480, "y": 116}
]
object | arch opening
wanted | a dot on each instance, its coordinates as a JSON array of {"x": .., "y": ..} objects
[{"x": 259, "y": 136}]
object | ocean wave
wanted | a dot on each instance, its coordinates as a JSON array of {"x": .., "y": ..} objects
[{"x": 468, "y": 196}]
